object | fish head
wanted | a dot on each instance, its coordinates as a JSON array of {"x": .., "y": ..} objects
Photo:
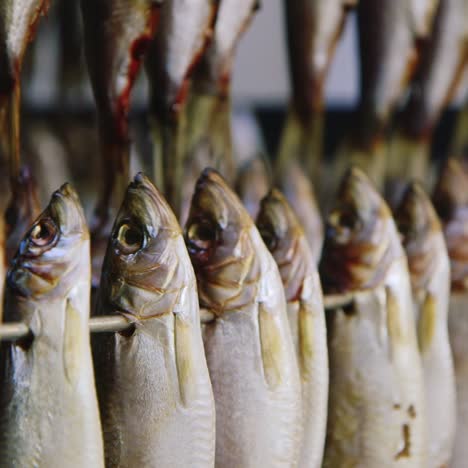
[
  {"x": 359, "y": 237},
  {"x": 283, "y": 235},
  {"x": 419, "y": 226},
  {"x": 219, "y": 242},
  {"x": 55, "y": 250},
  {"x": 143, "y": 274},
  {"x": 450, "y": 199}
]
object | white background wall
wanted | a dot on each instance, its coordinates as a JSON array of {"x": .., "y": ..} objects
[{"x": 261, "y": 72}]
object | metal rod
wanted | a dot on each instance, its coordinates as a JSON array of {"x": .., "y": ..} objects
[{"x": 106, "y": 323}]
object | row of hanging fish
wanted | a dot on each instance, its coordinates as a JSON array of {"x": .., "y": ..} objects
[
  {"x": 272, "y": 379},
  {"x": 250, "y": 387}
]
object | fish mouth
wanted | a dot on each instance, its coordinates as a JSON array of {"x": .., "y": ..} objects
[
  {"x": 18, "y": 277},
  {"x": 155, "y": 210}
]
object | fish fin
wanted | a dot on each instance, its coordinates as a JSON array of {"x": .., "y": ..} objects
[
  {"x": 72, "y": 343},
  {"x": 183, "y": 336},
  {"x": 395, "y": 327},
  {"x": 426, "y": 323},
  {"x": 271, "y": 344},
  {"x": 306, "y": 336}
]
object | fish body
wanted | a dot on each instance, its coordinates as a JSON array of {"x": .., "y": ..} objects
[
  {"x": 248, "y": 345},
  {"x": 48, "y": 404},
  {"x": 429, "y": 268},
  {"x": 390, "y": 33},
  {"x": 298, "y": 190},
  {"x": 252, "y": 184},
  {"x": 153, "y": 385},
  {"x": 443, "y": 59},
  {"x": 313, "y": 30},
  {"x": 208, "y": 134},
  {"x": 186, "y": 28},
  {"x": 116, "y": 36},
  {"x": 18, "y": 21},
  {"x": 451, "y": 202},
  {"x": 284, "y": 237},
  {"x": 376, "y": 410}
]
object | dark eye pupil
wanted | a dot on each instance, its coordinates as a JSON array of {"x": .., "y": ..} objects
[
  {"x": 268, "y": 238},
  {"x": 42, "y": 233},
  {"x": 201, "y": 235},
  {"x": 347, "y": 220},
  {"x": 132, "y": 237}
]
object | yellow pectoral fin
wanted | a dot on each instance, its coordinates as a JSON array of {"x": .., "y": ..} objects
[
  {"x": 426, "y": 323},
  {"x": 72, "y": 343},
  {"x": 186, "y": 367},
  {"x": 396, "y": 329},
  {"x": 306, "y": 337},
  {"x": 271, "y": 343}
]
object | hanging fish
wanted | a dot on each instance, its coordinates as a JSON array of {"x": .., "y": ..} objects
[
  {"x": 48, "y": 401},
  {"x": 390, "y": 35},
  {"x": 18, "y": 21},
  {"x": 295, "y": 185},
  {"x": 285, "y": 239},
  {"x": 429, "y": 268},
  {"x": 186, "y": 28},
  {"x": 376, "y": 411},
  {"x": 116, "y": 36},
  {"x": 451, "y": 202},
  {"x": 208, "y": 134},
  {"x": 442, "y": 64},
  {"x": 248, "y": 345},
  {"x": 153, "y": 385},
  {"x": 314, "y": 28}
]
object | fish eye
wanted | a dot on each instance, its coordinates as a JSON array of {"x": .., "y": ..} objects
[
  {"x": 43, "y": 233},
  {"x": 269, "y": 238},
  {"x": 130, "y": 237},
  {"x": 349, "y": 221},
  {"x": 202, "y": 235}
]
